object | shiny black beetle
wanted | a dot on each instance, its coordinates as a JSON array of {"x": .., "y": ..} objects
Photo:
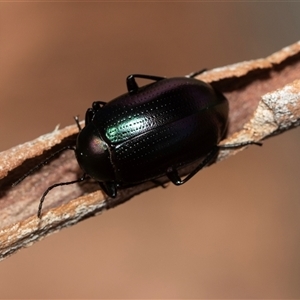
[{"x": 151, "y": 131}]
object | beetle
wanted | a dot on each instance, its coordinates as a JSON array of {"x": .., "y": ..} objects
[{"x": 149, "y": 132}]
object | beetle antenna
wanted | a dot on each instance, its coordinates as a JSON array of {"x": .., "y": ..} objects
[
  {"x": 39, "y": 213},
  {"x": 41, "y": 164}
]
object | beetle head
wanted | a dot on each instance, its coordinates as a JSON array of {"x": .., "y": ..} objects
[{"x": 93, "y": 155}]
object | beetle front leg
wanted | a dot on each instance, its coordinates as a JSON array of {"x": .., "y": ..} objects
[
  {"x": 89, "y": 115},
  {"x": 97, "y": 105},
  {"x": 174, "y": 177}
]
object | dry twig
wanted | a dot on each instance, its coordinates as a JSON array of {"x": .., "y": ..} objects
[{"x": 264, "y": 98}]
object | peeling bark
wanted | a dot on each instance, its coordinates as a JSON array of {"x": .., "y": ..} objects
[{"x": 264, "y": 97}]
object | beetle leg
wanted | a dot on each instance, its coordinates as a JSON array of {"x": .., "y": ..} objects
[
  {"x": 194, "y": 74},
  {"x": 238, "y": 145},
  {"x": 89, "y": 115},
  {"x": 110, "y": 188},
  {"x": 97, "y": 105},
  {"x": 76, "y": 118},
  {"x": 133, "y": 87},
  {"x": 157, "y": 182},
  {"x": 174, "y": 177}
]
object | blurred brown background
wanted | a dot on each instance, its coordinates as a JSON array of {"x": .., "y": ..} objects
[{"x": 231, "y": 232}]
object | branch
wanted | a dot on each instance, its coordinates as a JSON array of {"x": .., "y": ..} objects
[{"x": 264, "y": 97}]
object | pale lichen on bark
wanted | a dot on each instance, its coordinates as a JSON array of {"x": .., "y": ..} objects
[{"x": 264, "y": 97}]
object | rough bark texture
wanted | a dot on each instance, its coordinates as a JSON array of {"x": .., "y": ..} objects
[{"x": 264, "y": 97}]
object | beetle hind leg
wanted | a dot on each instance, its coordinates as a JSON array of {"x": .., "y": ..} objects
[
  {"x": 158, "y": 183},
  {"x": 239, "y": 145},
  {"x": 133, "y": 87},
  {"x": 194, "y": 74},
  {"x": 174, "y": 177},
  {"x": 109, "y": 188}
]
